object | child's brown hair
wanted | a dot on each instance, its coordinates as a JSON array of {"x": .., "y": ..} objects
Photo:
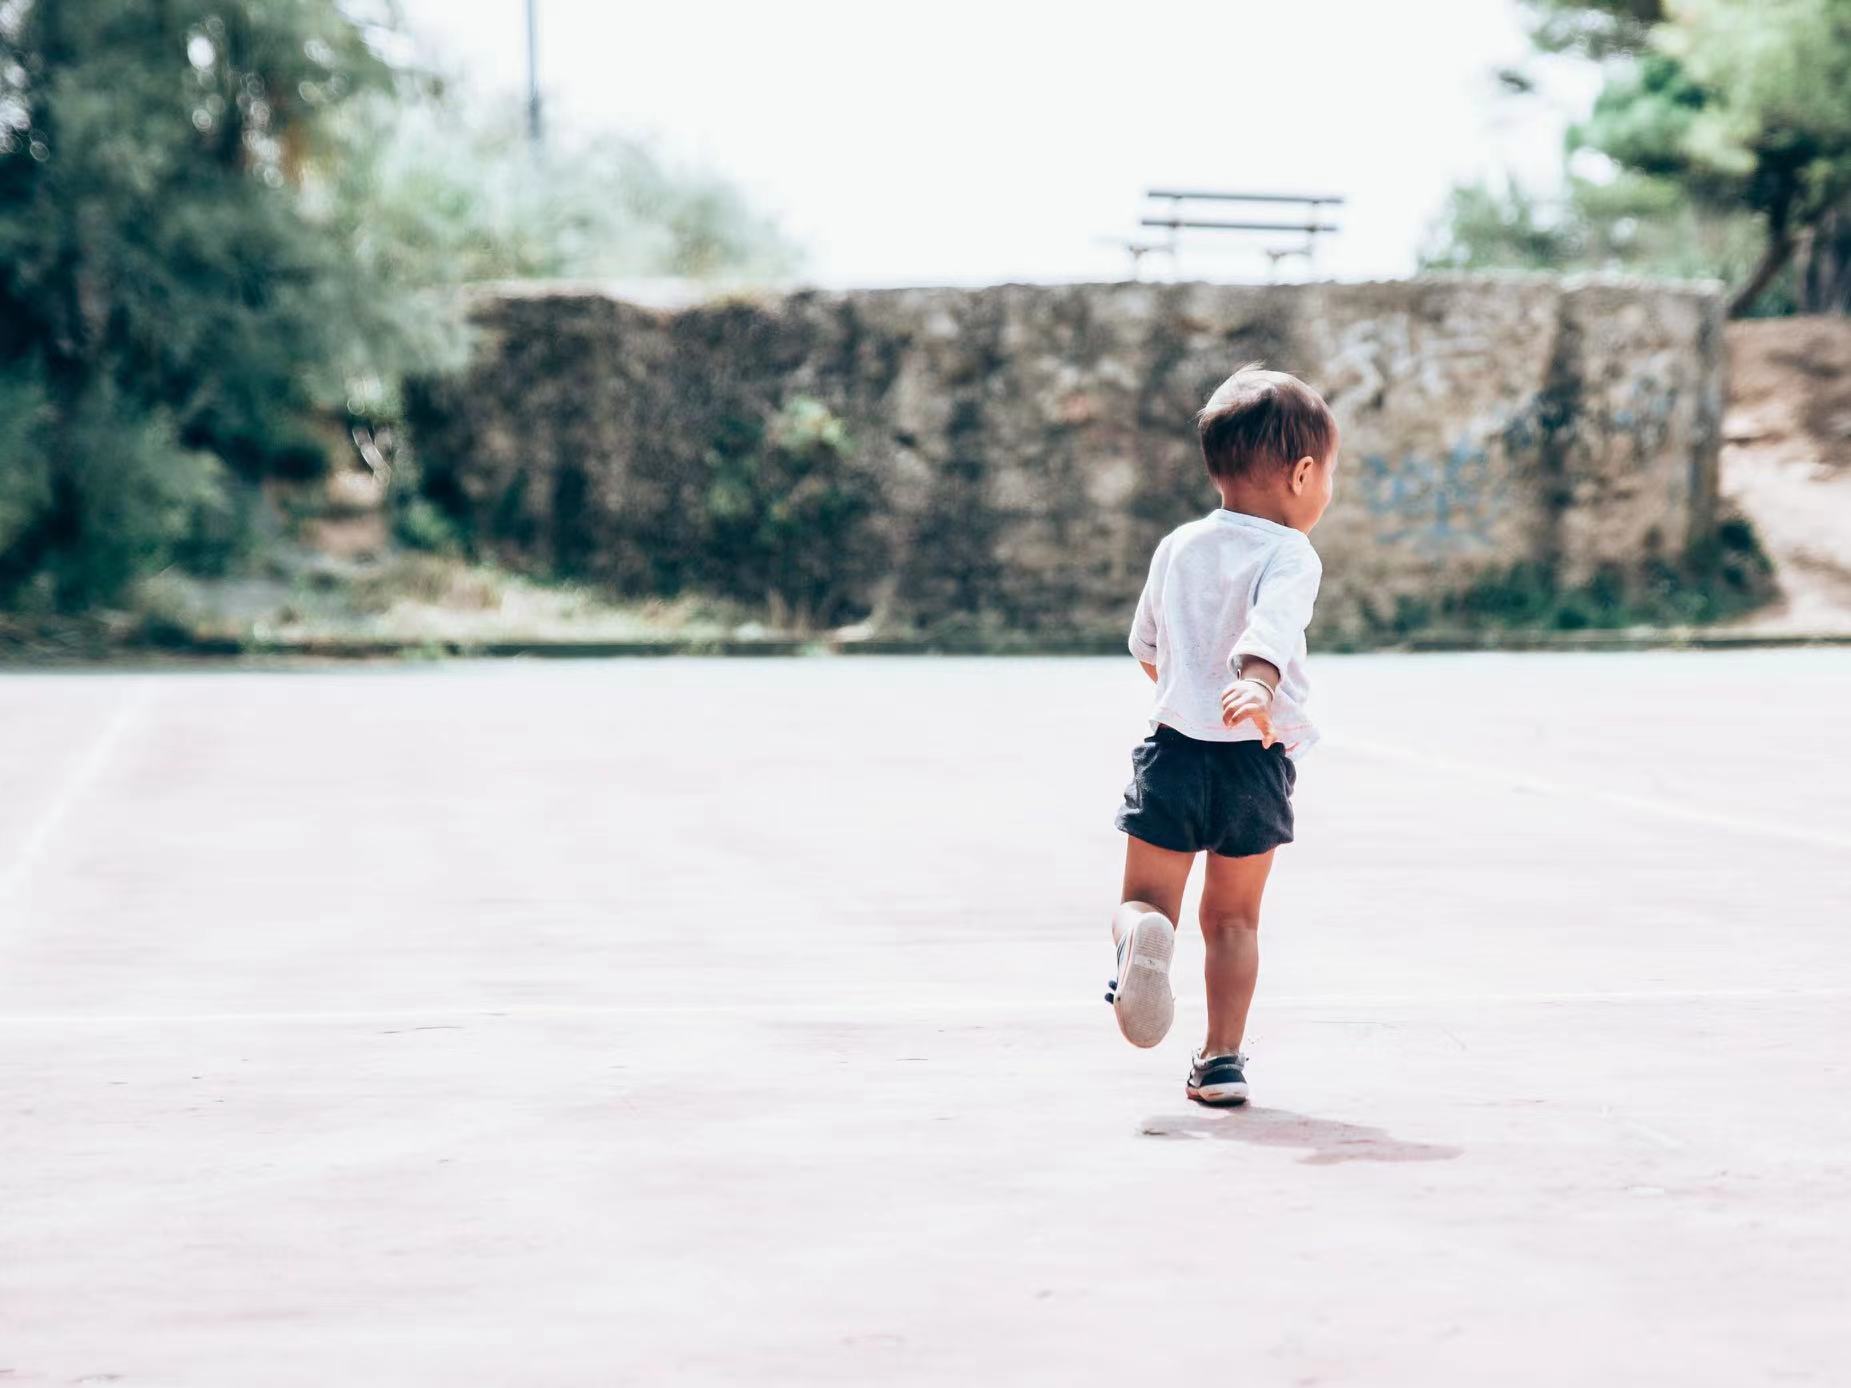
[{"x": 1258, "y": 418}]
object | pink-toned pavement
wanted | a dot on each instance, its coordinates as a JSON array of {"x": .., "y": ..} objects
[{"x": 702, "y": 1022}]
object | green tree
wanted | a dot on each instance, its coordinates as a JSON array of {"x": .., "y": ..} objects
[
  {"x": 1743, "y": 106},
  {"x": 1488, "y": 227},
  {"x": 1716, "y": 114},
  {"x": 227, "y": 231},
  {"x": 1629, "y": 223},
  {"x": 1595, "y": 28},
  {"x": 170, "y": 293}
]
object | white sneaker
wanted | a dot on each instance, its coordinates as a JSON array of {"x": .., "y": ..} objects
[{"x": 1140, "y": 995}]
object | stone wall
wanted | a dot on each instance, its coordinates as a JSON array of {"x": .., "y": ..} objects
[{"x": 1027, "y": 445}]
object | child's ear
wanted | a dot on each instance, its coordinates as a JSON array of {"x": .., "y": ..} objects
[{"x": 1301, "y": 474}]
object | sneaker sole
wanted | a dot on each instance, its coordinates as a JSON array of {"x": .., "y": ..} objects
[
  {"x": 1218, "y": 1095},
  {"x": 1145, "y": 1006}
]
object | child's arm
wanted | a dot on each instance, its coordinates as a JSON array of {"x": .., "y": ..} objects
[
  {"x": 1251, "y": 697},
  {"x": 1275, "y": 626},
  {"x": 1143, "y": 641}
]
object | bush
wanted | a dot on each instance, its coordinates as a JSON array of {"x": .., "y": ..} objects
[
  {"x": 1721, "y": 577},
  {"x": 25, "y": 471},
  {"x": 97, "y": 494},
  {"x": 788, "y": 512},
  {"x": 129, "y": 496},
  {"x": 417, "y": 523}
]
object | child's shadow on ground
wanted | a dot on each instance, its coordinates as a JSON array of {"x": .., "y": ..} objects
[{"x": 1326, "y": 1141}]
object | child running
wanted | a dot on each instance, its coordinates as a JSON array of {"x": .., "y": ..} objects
[{"x": 1220, "y": 629}]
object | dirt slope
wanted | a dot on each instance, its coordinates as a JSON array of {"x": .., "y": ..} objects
[{"x": 1786, "y": 461}]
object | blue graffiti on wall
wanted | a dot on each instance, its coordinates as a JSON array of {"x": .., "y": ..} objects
[{"x": 1451, "y": 502}]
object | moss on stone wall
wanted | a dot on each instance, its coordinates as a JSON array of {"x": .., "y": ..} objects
[{"x": 1720, "y": 578}]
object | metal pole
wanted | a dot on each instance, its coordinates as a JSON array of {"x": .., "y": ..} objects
[{"x": 533, "y": 73}]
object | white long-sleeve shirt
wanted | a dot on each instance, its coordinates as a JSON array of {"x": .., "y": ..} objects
[{"x": 1221, "y": 587}]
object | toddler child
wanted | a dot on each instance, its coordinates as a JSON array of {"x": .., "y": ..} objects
[{"x": 1220, "y": 629}]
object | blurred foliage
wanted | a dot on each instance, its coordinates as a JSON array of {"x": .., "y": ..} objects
[
  {"x": 1723, "y": 576},
  {"x": 25, "y": 471},
  {"x": 1486, "y": 227},
  {"x": 1631, "y": 223},
  {"x": 223, "y": 229},
  {"x": 167, "y": 301},
  {"x": 1727, "y": 125},
  {"x": 788, "y": 513},
  {"x": 445, "y": 192},
  {"x": 419, "y": 523},
  {"x": 1594, "y": 28}
]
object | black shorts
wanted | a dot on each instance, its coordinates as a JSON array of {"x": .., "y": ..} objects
[{"x": 1232, "y": 798}]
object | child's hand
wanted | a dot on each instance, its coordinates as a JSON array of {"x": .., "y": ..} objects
[{"x": 1249, "y": 700}]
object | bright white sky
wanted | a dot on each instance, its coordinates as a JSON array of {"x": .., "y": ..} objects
[{"x": 974, "y": 141}]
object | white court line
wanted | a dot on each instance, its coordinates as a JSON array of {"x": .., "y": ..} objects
[
  {"x": 1510, "y": 780},
  {"x": 825, "y": 1012},
  {"x": 79, "y": 779}
]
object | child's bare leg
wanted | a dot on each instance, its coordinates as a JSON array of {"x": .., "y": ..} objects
[
  {"x": 1154, "y": 881},
  {"x": 1144, "y": 938},
  {"x": 1231, "y": 936}
]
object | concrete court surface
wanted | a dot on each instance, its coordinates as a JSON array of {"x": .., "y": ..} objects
[{"x": 740, "y": 1022}]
